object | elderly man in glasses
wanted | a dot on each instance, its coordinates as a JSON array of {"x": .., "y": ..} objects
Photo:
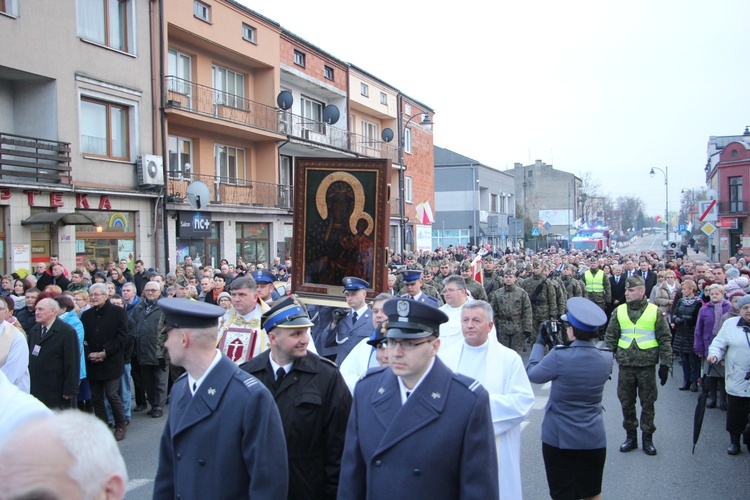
[{"x": 391, "y": 447}]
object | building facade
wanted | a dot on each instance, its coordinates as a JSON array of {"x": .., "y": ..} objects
[
  {"x": 475, "y": 203},
  {"x": 75, "y": 115}
]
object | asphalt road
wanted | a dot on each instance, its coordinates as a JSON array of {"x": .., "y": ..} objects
[{"x": 673, "y": 473}]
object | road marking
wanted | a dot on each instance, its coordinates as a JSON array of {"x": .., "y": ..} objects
[{"x": 137, "y": 483}]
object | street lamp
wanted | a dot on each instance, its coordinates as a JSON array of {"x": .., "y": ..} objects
[
  {"x": 666, "y": 184},
  {"x": 425, "y": 120}
]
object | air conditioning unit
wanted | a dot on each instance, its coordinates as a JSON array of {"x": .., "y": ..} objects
[{"x": 150, "y": 170}]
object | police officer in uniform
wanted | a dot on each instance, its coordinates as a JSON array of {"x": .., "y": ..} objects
[
  {"x": 223, "y": 430},
  {"x": 640, "y": 338},
  {"x": 416, "y": 429},
  {"x": 411, "y": 265},
  {"x": 413, "y": 288},
  {"x": 574, "y": 440},
  {"x": 266, "y": 290},
  {"x": 512, "y": 309},
  {"x": 473, "y": 286},
  {"x": 542, "y": 296}
]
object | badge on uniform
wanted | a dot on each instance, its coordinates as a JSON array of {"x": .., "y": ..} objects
[
  {"x": 211, "y": 391},
  {"x": 435, "y": 395},
  {"x": 402, "y": 308},
  {"x": 37, "y": 349}
]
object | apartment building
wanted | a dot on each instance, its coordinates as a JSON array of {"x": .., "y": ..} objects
[{"x": 75, "y": 116}]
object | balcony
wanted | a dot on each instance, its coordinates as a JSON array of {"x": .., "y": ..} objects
[
  {"x": 33, "y": 160},
  {"x": 324, "y": 134},
  {"x": 206, "y": 101},
  {"x": 733, "y": 207},
  {"x": 231, "y": 191}
]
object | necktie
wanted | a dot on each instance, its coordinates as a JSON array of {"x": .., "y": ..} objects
[
  {"x": 408, "y": 393},
  {"x": 44, "y": 331},
  {"x": 280, "y": 374},
  {"x": 354, "y": 317},
  {"x": 195, "y": 387}
]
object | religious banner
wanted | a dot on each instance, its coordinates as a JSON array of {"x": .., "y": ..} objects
[{"x": 341, "y": 224}]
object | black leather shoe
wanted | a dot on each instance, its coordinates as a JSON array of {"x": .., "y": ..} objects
[
  {"x": 711, "y": 403},
  {"x": 140, "y": 408},
  {"x": 157, "y": 413},
  {"x": 694, "y": 387},
  {"x": 648, "y": 445},
  {"x": 685, "y": 386},
  {"x": 733, "y": 449},
  {"x": 631, "y": 442}
]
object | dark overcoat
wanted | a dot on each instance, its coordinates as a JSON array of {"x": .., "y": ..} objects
[
  {"x": 348, "y": 333},
  {"x": 148, "y": 333},
  {"x": 105, "y": 329},
  {"x": 314, "y": 404},
  {"x": 55, "y": 369},
  {"x": 440, "y": 444},
  {"x": 225, "y": 442}
]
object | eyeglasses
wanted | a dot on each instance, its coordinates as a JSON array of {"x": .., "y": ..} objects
[
  {"x": 450, "y": 290},
  {"x": 406, "y": 345}
]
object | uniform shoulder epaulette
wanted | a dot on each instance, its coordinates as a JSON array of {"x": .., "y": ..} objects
[
  {"x": 470, "y": 383},
  {"x": 327, "y": 361},
  {"x": 184, "y": 375},
  {"x": 373, "y": 371},
  {"x": 561, "y": 346},
  {"x": 249, "y": 381}
]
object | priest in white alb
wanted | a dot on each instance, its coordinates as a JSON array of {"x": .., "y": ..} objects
[
  {"x": 501, "y": 371},
  {"x": 455, "y": 296}
]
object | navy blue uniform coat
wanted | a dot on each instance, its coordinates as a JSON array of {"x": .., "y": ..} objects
[
  {"x": 353, "y": 332},
  {"x": 573, "y": 417},
  {"x": 440, "y": 444},
  {"x": 226, "y": 442}
]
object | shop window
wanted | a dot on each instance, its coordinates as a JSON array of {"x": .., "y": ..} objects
[{"x": 253, "y": 242}]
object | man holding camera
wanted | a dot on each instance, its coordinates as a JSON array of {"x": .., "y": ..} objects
[{"x": 640, "y": 338}]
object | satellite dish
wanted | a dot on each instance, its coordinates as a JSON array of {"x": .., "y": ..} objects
[
  {"x": 198, "y": 194},
  {"x": 285, "y": 99},
  {"x": 387, "y": 135},
  {"x": 331, "y": 114}
]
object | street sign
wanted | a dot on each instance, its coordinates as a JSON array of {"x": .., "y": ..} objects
[
  {"x": 547, "y": 225},
  {"x": 708, "y": 228},
  {"x": 682, "y": 228},
  {"x": 728, "y": 223},
  {"x": 534, "y": 231},
  {"x": 707, "y": 211}
]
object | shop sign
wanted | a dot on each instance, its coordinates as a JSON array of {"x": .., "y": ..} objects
[
  {"x": 194, "y": 225},
  {"x": 728, "y": 223}
]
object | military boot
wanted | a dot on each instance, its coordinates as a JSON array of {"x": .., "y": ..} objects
[
  {"x": 648, "y": 445},
  {"x": 631, "y": 442},
  {"x": 734, "y": 445}
]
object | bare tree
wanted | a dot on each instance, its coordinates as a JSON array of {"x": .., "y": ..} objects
[{"x": 629, "y": 208}]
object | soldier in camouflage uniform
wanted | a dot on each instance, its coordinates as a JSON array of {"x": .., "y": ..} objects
[
  {"x": 640, "y": 338},
  {"x": 411, "y": 264},
  {"x": 445, "y": 271},
  {"x": 492, "y": 279},
  {"x": 573, "y": 287},
  {"x": 556, "y": 281},
  {"x": 512, "y": 310},
  {"x": 543, "y": 302},
  {"x": 429, "y": 287},
  {"x": 472, "y": 285}
]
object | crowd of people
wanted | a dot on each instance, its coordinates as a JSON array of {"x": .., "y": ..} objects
[{"x": 356, "y": 392}]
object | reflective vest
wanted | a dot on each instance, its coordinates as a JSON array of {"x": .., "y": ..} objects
[
  {"x": 594, "y": 286},
  {"x": 643, "y": 332}
]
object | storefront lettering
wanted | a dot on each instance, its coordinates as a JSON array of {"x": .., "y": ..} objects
[
  {"x": 30, "y": 194},
  {"x": 4, "y": 194},
  {"x": 57, "y": 200},
  {"x": 104, "y": 203},
  {"x": 82, "y": 201}
]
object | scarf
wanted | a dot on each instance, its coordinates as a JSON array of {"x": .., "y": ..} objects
[
  {"x": 689, "y": 301},
  {"x": 718, "y": 313}
]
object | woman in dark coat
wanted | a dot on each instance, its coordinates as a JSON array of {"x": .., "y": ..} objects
[
  {"x": 684, "y": 318},
  {"x": 709, "y": 322}
]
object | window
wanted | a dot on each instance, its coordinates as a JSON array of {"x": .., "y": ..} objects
[
  {"x": 285, "y": 181},
  {"x": 202, "y": 11},
  {"x": 105, "y": 22},
  {"x": 370, "y": 134},
  {"x": 180, "y": 154},
  {"x": 494, "y": 203},
  {"x": 407, "y": 189},
  {"x": 407, "y": 140},
  {"x": 105, "y": 129},
  {"x": 383, "y": 98},
  {"x": 9, "y": 7},
  {"x": 249, "y": 33},
  {"x": 230, "y": 164},
  {"x": 229, "y": 86},
  {"x": 735, "y": 194},
  {"x": 364, "y": 89},
  {"x": 178, "y": 69},
  {"x": 299, "y": 58},
  {"x": 407, "y": 109},
  {"x": 312, "y": 115},
  {"x": 328, "y": 72}
]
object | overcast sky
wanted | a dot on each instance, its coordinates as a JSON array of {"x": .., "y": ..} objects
[{"x": 610, "y": 87}]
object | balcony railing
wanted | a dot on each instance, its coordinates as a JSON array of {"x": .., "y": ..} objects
[
  {"x": 731, "y": 207},
  {"x": 322, "y": 133},
  {"x": 30, "y": 159},
  {"x": 207, "y": 101},
  {"x": 232, "y": 191}
]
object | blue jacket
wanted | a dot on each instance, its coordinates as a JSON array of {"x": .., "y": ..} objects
[
  {"x": 573, "y": 417},
  {"x": 440, "y": 444},
  {"x": 225, "y": 442},
  {"x": 352, "y": 332}
]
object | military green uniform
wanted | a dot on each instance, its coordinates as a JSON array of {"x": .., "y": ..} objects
[
  {"x": 513, "y": 316},
  {"x": 492, "y": 282},
  {"x": 431, "y": 291},
  {"x": 543, "y": 304},
  {"x": 476, "y": 290},
  {"x": 637, "y": 365},
  {"x": 598, "y": 288},
  {"x": 573, "y": 287},
  {"x": 561, "y": 295}
]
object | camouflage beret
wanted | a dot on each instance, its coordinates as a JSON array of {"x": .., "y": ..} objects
[
  {"x": 634, "y": 281},
  {"x": 182, "y": 281},
  {"x": 488, "y": 258}
]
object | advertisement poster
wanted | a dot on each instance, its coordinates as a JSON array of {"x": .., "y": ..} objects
[
  {"x": 21, "y": 257},
  {"x": 424, "y": 238}
]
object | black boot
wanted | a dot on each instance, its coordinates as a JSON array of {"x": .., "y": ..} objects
[
  {"x": 734, "y": 444},
  {"x": 648, "y": 445},
  {"x": 694, "y": 387},
  {"x": 711, "y": 384},
  {"x": 685, "y": 386},
  {"x": 631, "y": 442}
]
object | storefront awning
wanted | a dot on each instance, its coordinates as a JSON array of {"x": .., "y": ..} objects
[{"x": 53, "y": 218}]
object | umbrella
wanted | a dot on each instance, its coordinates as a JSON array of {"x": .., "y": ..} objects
[{"x": 700, "y": 409}]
